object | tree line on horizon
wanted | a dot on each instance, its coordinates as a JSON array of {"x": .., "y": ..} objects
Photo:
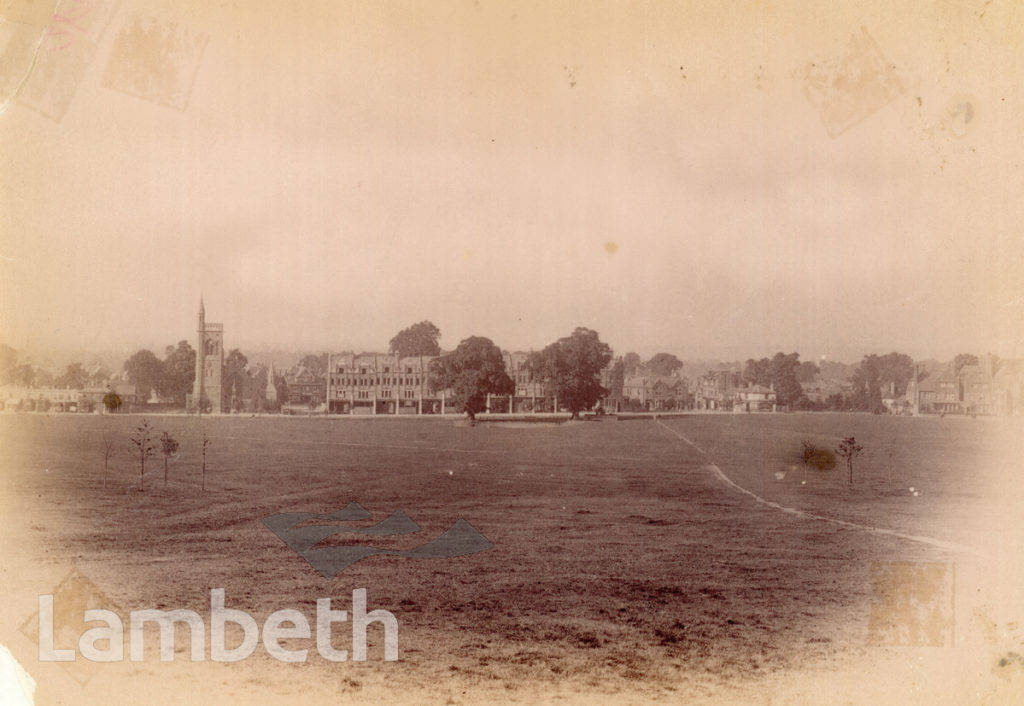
[{"x": 569, "y": 369}]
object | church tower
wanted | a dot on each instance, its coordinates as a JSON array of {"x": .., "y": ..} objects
[{"x": 209, "y": 363}]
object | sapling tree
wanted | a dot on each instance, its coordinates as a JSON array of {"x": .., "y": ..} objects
[
  {"x": 816, "y": 457},
  {"x": 206, "y": 442},
  {"x": 109, "y": 449},
  {"x": 849, "y": 449},
  {"x": 144, "y": 442},
  {"x": 890, "y": 450},
  {"x": 169, "y": 448}
]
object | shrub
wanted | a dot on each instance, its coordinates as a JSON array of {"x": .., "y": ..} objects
[{"x": 112, "y": 401}]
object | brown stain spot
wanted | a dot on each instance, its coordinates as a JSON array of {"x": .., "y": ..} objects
[
  {"x": 570, "y": 72},
  {"x": 919, "y": 102},
  {"x": 912, "y": 604},
  {"x": 1011, "y": 660},
  {"x": 961, "y": 112},
  {"x": 611, "y": 247}
]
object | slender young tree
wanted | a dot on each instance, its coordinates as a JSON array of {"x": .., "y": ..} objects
[
  {"x": 206, "y": 442},
  {"x": 849, "y": 449},
  {"x": 169, "y": 448},
  {"x": 109, "y": 449},
  {"x": 143, "y": 440}
]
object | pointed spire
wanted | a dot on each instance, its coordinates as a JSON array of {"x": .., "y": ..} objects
[{"x": 202, "y": 309}]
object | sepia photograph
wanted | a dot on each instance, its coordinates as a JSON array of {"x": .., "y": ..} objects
[{"x": 511, "y": 352}]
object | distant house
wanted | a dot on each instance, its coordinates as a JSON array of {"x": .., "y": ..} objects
[
  {"x": 1008, "y": 388},
  {"x": 936, "y": 394},
  {"x": 529, "y": 395},
  {"x": 977, "y": 387},
  {"x": 16, "y": 398},
  {"x": 820, "y": 389},
  {"x": 305, "y": 388},
  {"x": 990, "y": 387},
  {"x": 658, "y": 392},
  {"x": 92, "y": 397},
  {"x": 716, "y": 390},
  {"x": 755, "y": 398},
  {"x": 381, "y": 384}
]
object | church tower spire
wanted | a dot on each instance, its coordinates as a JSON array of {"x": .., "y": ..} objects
[{"x": 206, "y": 389}]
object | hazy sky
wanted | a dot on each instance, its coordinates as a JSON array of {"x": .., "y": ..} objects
[{"x": 327, "y": 173}]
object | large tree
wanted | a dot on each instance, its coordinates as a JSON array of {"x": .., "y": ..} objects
[
  {"x": 617, "y": 379},
  {"x": 40, "y": 376},
  {"x": 570, "y": 369},
  {"x": 779, "y": 372},
  {"x": 664, "y": 364},
  {"x": 25, "y": 374},
  {"x": 419, "y": 339},
  {"x": 631, "y": 363},
  {"x": 8, "y": 364},
  {"x": 783, "y": 373},
  {"x": 99, "y": 377},
  {"x": 894, "y": 371},
  {"x": 74, "y": 377},
  {"x": 757, "y": 372},
  {"x": 807, "y": 371},
  {"x": 867, "y": 388},
  {"x": 314, "y": 363},
  {"x": 233, "y": 380},
  {"x": 144, "y": 370},
  {"x": 472, "y": 371},
  {"x": 963, "y": 360},
  {"x": 179, "y": 372}
]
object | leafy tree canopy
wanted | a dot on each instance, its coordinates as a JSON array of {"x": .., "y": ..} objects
[
  {"x": 419, "y": 339},
  {"x": 806, "y": 371},
  {"x": 867, "y": 388},
  {"x": 8, "y": 364},
  {"x": 571, "y": 368},
  {"x": 617, "y": 378},
  {"x": 74, "y": 377},
  {"x": 234, "y": 380},
  {"x": 779, "y": 372},
  {"x": 757, "y": 372},
  {"x": 631, "y": 363},
  {"x": 179, "y": 372},
  {"x": 664, "y": 364},
  {"x": 316, "y": 364},
  {"x": 144, "y": 370},
  {"x": 472, "y": 371},
  {"x": 962, "y": 360},
  {"x": 894, "y": 372}
]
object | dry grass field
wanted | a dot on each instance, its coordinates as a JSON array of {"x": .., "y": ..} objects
[{"x": 625, "y": 567}]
